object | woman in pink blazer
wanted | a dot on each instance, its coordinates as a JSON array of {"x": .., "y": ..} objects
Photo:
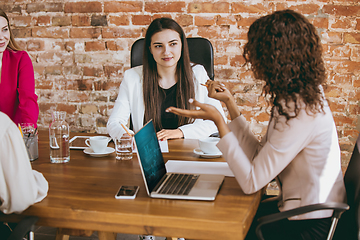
[
  {"x": 300, "y": 148},
  {"x": 17, "y": 83}
]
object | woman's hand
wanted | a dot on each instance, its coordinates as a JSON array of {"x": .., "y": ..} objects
[
  {"x": 204, "y": 111},
  {"x": 218, "y": 91},
  {"x": 166, "y": 134}
]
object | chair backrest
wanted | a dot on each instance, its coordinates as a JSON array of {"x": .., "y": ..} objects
[
  {"x": 349, "y": 224},
  {"x": 352, "y": 184},
  {"x": 200, "y": 50},
  {"x": 23, "y": 228}
]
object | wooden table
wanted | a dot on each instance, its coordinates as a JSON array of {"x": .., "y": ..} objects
[{"x": 81, "y": 196}]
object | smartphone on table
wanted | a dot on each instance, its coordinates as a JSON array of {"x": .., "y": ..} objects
[{"x": 127, "y": 192}]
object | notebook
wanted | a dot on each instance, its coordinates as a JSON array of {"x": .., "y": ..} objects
[{"x": 161, "y": 184}]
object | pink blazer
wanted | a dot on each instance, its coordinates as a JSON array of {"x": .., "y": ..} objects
[
  {"x": 303, "y": 154},
  {"x": 17, "y": 88}
]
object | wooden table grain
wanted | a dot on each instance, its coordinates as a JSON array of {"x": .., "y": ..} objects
[{"x": 81, "y": 196}]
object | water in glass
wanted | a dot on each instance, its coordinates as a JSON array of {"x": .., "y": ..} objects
[
  {"x": 59, "y": 138},
  {"x": 123, "y": 147}
]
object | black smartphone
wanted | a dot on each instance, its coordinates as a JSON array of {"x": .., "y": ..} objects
[{"x": 127, "y": 192}]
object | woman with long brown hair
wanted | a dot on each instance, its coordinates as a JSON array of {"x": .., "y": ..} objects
[
  {"x": 166, "y": 78},
  {"x": 300, "y": 148},
  {"x": 17, "y": 83}
]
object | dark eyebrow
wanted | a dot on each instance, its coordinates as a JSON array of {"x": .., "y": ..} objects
[
  {"x": 6, "y": 26},
  {"x": 171, "y": 41}
]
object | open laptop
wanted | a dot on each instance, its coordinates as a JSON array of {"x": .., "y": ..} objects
[{"x": 159, "y": 183}]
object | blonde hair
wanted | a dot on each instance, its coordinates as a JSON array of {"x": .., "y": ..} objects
[{"x": 12, "y": 44}]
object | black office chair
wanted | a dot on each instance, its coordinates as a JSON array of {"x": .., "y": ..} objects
[
  {"x": 349, "y": 226},
  {"x": 200, "y": 51},
  {"x": 24, "y": 228},
  {"x": 352, "y": 184},
  {"x": 338, "y": 208}
]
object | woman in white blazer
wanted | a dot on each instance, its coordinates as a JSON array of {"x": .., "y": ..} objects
[
  {"x": 20, "y": 186},
  {"x": 300, "y": 148},
  {"x": 166, "y": 79}
]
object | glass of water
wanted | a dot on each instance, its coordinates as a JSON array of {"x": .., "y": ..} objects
[
  {"x": 59, "y": 138},
  {"x": 123, "y": 146}
]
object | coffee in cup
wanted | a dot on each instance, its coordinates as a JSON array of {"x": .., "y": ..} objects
[
  {"x": 98, "y": 143},
  {"x": 208, "y": 145}
]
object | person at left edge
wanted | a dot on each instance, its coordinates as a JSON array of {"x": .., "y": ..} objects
[{"x": 17, "y": 83}]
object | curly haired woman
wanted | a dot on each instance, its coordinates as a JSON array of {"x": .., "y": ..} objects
[{"x": 300, "y": 148}]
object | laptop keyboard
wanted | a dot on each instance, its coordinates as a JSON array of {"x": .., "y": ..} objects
[{"x": 179, "y": 184}]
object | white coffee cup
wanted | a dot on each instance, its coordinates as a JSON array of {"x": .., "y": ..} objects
[
  {"x": 208, "y": 145},
  {"x": 98, "y": 143}
]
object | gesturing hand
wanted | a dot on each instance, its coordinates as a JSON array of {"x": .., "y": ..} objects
[
  {"x": 204, "y": 111},
  {"x": 218, "y": 91}
]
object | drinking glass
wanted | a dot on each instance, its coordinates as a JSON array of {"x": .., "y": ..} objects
[
  {"x": 59, "y": 138},
  {"x": 30, "y": 137},
  {"x": 123, "y": 147}
]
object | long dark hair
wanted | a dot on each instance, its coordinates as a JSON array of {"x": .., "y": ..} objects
[
  {"x": 184, "y": 75},
  {"x": 12, "y": 44},
  {"x": 284, "y": 49}
]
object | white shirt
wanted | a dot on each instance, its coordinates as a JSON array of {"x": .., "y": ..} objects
[
  {"x": 20, "y": 186},
  {"x": 130, "y": 101}
]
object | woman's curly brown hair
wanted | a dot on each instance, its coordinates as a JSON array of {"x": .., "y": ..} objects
[{"x": 285, "y": 51}]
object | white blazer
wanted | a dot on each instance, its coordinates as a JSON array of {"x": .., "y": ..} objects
[
  {"x": 130, "y": 101},
  {"x": 303, "y": 153},
  {"x": 20, "y": 186}
]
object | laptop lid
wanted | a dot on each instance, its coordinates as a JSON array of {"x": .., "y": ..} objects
[
  {"x": 153, "y": 169},
  {"x": 149, "y": 153}
]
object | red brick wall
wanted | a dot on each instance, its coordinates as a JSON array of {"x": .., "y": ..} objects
[{"x": 80, "y": 50}]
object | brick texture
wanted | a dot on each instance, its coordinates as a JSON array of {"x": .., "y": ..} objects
[{"x": 81, "y": 48}]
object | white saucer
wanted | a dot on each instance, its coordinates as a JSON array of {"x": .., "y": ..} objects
[
  {"x": 207, "y": 155},
  {"x": 108, "y": 150}
]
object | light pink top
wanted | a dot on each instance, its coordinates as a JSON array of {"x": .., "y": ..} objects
[{"x": 302, "y": 153}]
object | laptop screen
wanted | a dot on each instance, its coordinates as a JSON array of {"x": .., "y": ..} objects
[{"x": 150, "y": 155}]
